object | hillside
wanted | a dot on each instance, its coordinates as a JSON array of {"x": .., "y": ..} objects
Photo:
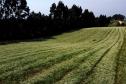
[
  {"x": 115, "y": 23},
  {"x": 87, "y": 56}
]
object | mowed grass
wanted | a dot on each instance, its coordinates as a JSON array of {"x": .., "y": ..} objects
[{"x": 86, "y": 56}]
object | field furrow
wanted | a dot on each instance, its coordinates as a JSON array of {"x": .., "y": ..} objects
[
  {"x": 104, "y": 72},
  {"x": 86, "y": 56},
  {"x": 82, "y": 71},
  {"x": 120, "y": 77}
]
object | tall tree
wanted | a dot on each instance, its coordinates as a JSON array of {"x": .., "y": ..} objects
[
  {"x": 65, "y": 12},
  {"x": 52, "y": 11},
  {"x": 76, "y": 11},
  {"x": 85, "y": 18},
  {"x": 23, "y": 9},
  {"x": 118, "y": 17},
  {"x": 74, "y": 16},
  {"x": 60, "y": 10},
  {"x": 14, "y": 8},
  {"x": 1, "y": 9},
  {"x": 102, "y": 20}
]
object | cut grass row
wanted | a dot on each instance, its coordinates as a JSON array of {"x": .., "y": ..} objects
[
  {"x": 105, "y": 71},
  {"x": 24, "y": 60},
  {"x": 71, "y": 58},
  {"x": 73, "y": 63},
  {"x": 121, "y": 64}
]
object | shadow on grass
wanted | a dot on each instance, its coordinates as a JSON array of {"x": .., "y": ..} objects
[
  {"x": 45, "y": 38},
  {"x": 6, "y": 42}
]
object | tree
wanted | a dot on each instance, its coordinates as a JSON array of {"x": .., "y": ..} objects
[
  {"x": 103, "y": 20},
  {"x": 1, "y": 8},
  {"x": 17, "y": 23},
  {"x": 92, "y": 19},
  {"x": 76, "y": 11},
  {"x": 60, "y": 10},
  {"x": 23, "y": 9},
  {"x": 52, "y": 10},
  {"x": 14, "y": 8},
  {"x": 74, "y": 16},
  {"x": 88, "y": 18},
  {"x": 118, "y": 17}
]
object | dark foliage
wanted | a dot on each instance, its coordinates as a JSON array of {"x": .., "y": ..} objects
[
  {"x": 102, "y": 20},
  {"x": 16, "y": 22},
  {"x": 118, "y": 17}
]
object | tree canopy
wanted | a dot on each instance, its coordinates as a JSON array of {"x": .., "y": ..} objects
[
  {"x": 13, "y": 9},
  {"x": 17, "y": 22}
]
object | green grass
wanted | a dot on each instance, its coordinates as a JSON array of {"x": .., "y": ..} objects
[{"x": 86, "y": 56}]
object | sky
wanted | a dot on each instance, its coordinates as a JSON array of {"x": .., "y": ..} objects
[{"x": 106, "y": 7}]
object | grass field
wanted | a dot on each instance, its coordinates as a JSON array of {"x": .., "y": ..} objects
[{"x": 86, "y": 56}]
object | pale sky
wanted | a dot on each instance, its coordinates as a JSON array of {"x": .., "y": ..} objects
[{"x": 108, "y": 7}]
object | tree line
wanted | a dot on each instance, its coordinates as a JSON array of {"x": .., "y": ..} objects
[{"x": 17, "y": 22}]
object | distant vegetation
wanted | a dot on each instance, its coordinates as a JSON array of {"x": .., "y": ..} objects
[
  {"x": 114, "y": 23},
  {"x": 117, "y": 20},
  {"x": 17, "y": 22}
]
